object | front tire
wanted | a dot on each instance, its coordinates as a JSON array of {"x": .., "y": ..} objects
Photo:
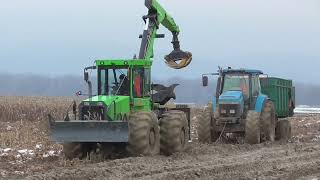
[
  {"x": 174, "y": 132},
  {"x": 77, "y": 150},
  {"x": 252, "y": 128},
  {"x": 204, "y": 126},
  {"x": 144, "y": 137}
]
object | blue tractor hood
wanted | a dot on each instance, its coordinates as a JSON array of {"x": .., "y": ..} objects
[{"x": 231, "y": 97}]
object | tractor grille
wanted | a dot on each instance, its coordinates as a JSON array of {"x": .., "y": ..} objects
[
  {"x": 229, "y": 110},
  {"x": 93, "y": 113}
]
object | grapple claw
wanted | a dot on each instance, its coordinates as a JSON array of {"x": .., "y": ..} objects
[{"x": 178, "y": 59}]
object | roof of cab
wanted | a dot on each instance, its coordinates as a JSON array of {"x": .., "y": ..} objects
[{"x": 249, "y": 71}]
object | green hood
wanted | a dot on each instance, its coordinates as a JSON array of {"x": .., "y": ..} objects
[
  {"x": 117, "y": 105},
  {"x": 107, "y": 100}
]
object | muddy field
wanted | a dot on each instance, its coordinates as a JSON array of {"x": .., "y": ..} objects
[{"x": 26, "y": 152}]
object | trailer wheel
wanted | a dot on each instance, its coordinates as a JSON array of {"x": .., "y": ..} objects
[
  {"x": 143, "y": 134},
  {"x": 77, "y": 150},
  {"x": 204, "y": 126},
  {"x": 252, "y": 128},
  {"x": 268, "y": 122},
  {"x": 173, "y": 132}
]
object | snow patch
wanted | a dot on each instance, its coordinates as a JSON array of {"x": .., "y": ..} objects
[
  {"x": 7, "y": 150},
  {"x": 26, "y": 152},
  {"x": 39, "y": 146},
  {"x": 9, "y": 128},
  {"x": 51, "y": 153}
]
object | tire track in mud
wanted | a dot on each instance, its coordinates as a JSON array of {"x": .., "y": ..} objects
[
  {"x": 218, "y": 161},
  {"x": 232, "y": 167}
]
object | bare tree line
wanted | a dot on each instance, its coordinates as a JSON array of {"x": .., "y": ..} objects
[{"x": 189, "y": 90}]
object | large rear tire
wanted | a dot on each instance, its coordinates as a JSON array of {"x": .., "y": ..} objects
[
  {"x": 173, "y": 132},
  {"x": 143, "y": 134},
  {"x": 204, "y": 126},
  {"x": 252, "y": 128},
  {"x": 283, "y": 130},
  {"x": 268, "y": 120}
]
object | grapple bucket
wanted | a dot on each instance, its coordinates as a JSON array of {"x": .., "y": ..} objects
[
  {"x": 88, "y": 131},
  {"x": 178, "y": 59}
]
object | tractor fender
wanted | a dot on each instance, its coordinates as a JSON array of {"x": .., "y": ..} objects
[{"x": 261, "y": 100}]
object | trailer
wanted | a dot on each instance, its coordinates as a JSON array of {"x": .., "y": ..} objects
[{"x": 282, "y": 93}]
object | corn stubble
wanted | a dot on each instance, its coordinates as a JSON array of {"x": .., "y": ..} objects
[{"x": 24, "y": 121}]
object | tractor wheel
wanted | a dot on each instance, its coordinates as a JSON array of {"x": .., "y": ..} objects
[
  {"x": 77, "y": 150},
  {"x": 204, "y": 126},
  {"x": 268, "y": 119},
  {"x": 173, "y": 132},
  {"x": 143, "y": 134},
  {"x": 214, "y": 134},
  {"x": 252, "y": 128},
  {"x": 283, "y": 130}
]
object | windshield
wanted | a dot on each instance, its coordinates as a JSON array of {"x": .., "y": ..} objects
[
  {"x": 236, "y": 82},
  {"x": 113, "y": 81}
]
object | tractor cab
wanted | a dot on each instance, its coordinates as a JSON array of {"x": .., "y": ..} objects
[
  {"x": 236, "y": 92},
  {"x": 239, "y": 84},
  {"x": 124, "y": 78},
  {"x": 122, "y": 86}
]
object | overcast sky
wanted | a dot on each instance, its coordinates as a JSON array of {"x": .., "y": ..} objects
[{"x": 280, "y": 37}]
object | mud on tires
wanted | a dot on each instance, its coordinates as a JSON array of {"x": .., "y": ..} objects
[
  {"x": 77, "y": 150},
  {"x": 268, "y": 120},
  {"x": 283, "y": 130},
  {"x": 252, "y": 128},
  {"x": 214, "y": 134},
  {"x": 204, "y": 126},
  {"x": 173, "y": 132},
  {"x": 144, "y": 137}
]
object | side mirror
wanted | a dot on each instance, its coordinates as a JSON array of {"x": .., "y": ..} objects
[
  {"x": 86, "y": 76},
  {"x": 204, "y": 81}
]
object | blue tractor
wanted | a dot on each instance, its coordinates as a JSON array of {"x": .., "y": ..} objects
[{"x": 239, "y": 107}]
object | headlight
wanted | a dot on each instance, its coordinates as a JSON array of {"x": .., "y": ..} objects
[
  {"x": 232, "y": 111},
  {"x": 100, "y": 103},
  {"x": 223, "y": 111},
  {"x": 86, "y": 103}
]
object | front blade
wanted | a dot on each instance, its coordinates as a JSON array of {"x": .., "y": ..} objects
[{"x": 89, "y": 131}]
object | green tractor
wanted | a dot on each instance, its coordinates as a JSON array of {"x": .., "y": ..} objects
[{"x": 128, "y": 109}]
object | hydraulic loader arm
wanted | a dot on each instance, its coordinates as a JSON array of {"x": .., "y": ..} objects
[
  {"x": 157, "y": 16},
  {"x": 162, "y": 16}
]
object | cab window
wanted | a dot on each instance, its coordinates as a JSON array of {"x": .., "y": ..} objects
[
  {"x": 255, "y": 85},
  {"x": 147, "y": 83},
  {"x": 138, "y": 76}
]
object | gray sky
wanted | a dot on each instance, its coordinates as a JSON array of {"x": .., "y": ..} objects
[{"x": 280, "y": 37}]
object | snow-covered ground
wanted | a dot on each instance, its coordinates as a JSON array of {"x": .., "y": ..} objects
[{"x": 307, "y": 109}]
